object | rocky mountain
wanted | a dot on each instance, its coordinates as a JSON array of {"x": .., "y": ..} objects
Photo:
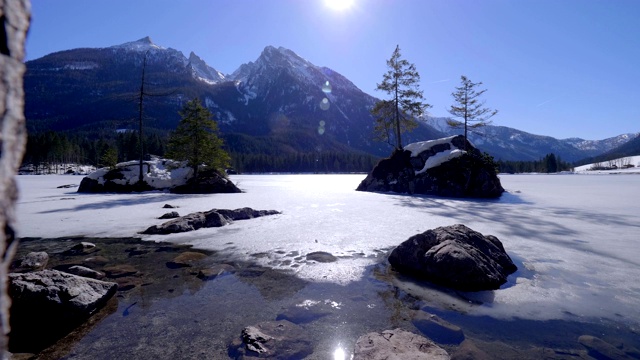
[
  {"x": 279, "y": 103},
  {"x": 507, "y": 143}
]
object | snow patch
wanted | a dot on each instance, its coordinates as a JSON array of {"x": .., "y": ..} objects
[
  {"x": 158, "y": 173},
  {"x": 436, "y": 159}
]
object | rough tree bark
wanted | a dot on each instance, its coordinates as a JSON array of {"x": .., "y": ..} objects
[{"x": 14, "y": 23}]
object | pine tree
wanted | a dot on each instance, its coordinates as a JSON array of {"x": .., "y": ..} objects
[
  {"x": 196, "y": 139},
  {"x": 398, "y": 114},
  {"x": 469, "y": 108}
]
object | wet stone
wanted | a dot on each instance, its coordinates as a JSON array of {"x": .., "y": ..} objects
[
  {"x": 122, "y": 270},
  {"x": 272, "y": 340},
  {"x": 215, "y": 271},
  {"x": 186, "y": 259}
]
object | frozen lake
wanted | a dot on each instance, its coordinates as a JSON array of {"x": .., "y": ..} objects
[{"x": 575, "y": 238}]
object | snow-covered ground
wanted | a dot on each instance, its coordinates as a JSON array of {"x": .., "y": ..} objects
[
  {"x": 576, "y": 239},
  {"x": 632, "y": 161}
]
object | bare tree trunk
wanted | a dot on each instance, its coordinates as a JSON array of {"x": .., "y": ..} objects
[{"x": 14, "y": 23}]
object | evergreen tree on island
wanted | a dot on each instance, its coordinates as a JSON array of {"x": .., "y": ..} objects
[
  {"x": 398, "y": 114},
  {"x": 469, "y": 108},
  {"x": 196, "y": 139}
]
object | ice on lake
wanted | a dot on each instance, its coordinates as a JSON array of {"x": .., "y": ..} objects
[{"x": 575, "y": 238}]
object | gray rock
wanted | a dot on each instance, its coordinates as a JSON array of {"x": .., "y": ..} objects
[
  {"x": 455, "y": 257},
  {"x": 469, "y": 175},
  {"x": 280, "y": 340},
  {"x": 84, "y": 271},
  {"x": 437, "y": 329},
  {"x": 397, "y": 344},
  {"x": 55, "y": 291},
  {"x": 211, "y": 218},
  {"x": 48, "y": 304},
  {"x": 169, "y": 206},
  {"x": 170, "y": 215},
  {"x": 33, "y": 261}
]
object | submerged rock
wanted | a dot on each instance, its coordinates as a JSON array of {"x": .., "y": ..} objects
[
  {"x": 397, "y": 344},
  {"x": 449, "y": 167},
  {"x": 456, "y": 257},
  {"x": 437, "y": 329},
  {"x": 281, "y": 340},
  {"x": 321, "y": 256},
  {"x": 211, "y": 218}
]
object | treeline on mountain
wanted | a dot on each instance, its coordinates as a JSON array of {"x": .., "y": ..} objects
[
  {"x": 257, "y": 156},
  {"x": 550, "y": 163}
]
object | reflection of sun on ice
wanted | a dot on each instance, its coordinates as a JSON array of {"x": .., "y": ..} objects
[{"x": 339, "y": 5}]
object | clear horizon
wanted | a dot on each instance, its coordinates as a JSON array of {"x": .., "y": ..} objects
[{"x": 556, "y": 68}]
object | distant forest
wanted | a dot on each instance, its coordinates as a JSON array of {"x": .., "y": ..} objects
[{"x": 60, "y": 148}]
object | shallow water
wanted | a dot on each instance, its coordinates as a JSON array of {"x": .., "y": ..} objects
[{"x": 170, "y": 313}]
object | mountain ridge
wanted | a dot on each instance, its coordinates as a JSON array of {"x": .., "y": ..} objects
[{"x": 277, "y": 94}]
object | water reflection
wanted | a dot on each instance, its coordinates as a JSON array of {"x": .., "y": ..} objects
[{"x": 339, "y": 354}]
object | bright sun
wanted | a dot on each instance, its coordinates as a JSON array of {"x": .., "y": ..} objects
[{"x": 339, "y": 5}]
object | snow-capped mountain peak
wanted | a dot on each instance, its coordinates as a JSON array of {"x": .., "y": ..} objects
[
  {"x": 143, "y": 44},
  {"x": 202, "y": 71}
]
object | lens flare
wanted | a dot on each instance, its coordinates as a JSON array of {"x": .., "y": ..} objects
[
  {"x": 326, "y": 88},
  {"x": 324, "y": 104}
]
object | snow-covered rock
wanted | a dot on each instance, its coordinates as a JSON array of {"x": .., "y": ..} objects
[
  {"x": 446, "y": 167},
  {"x": 158, "y": 174}
]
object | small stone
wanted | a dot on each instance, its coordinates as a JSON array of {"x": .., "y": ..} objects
[{"x": 168, "y": 206}]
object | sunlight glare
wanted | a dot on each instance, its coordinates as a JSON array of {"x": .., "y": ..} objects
[
  {"x": 339, "y": 5},
  {"x": 339, "y": 354}
]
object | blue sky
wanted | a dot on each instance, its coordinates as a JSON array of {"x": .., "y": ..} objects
[{"x": 563, "y": 68}]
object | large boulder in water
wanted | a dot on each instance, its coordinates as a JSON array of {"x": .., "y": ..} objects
[
  {"x": 449, "y": 167},
  {"x": 455, "y": 257}
]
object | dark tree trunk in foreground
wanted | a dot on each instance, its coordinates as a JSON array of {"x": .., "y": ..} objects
[{"x": 14, "y": 23}]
